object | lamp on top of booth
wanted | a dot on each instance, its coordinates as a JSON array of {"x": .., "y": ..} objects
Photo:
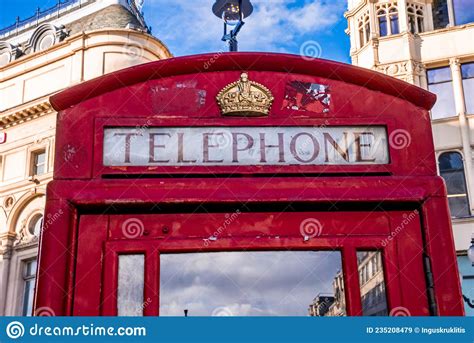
[{"x": 233, "y": 13}]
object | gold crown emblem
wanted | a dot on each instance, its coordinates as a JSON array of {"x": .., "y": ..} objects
[{"x": 245, "y": 98}]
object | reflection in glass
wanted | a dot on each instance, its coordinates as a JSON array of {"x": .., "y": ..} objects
[
  {"x": 451, "y": 169},
  {"x": 382, "y": 23},
  {"x": 463, "y": 11},
  {"x": 274, "y": 283},
  {"x": 131, "y": 276},
  {"x": 29, "y": 278},
  {"x": 468, "y": 86},
  {"x": 372, "y": 283},
  {"x": 440, "y": 83},
  {"x": 440, "y": 14}
]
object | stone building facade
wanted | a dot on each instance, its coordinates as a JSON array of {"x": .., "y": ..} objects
[
  {"x": 430, "y": 43},
  {"x": 57, "y": 48}
]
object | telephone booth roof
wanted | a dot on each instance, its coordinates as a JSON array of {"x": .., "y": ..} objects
[{"x": 222, "y": 62}]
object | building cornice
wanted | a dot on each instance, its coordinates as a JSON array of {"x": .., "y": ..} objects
[
  {"x": 77, "y": 37},
  {"x": 352, "y": 12},
  {"x": 11, "y": 118}
]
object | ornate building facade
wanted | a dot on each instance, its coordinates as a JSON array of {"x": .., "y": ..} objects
[
  {"x": 430, "y": 43},
  {"x": 75, "y": 41}
]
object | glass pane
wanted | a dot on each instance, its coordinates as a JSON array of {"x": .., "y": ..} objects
[
  {"x": 450, "y": 161},
  {"x": 439, "y": 75},
  {"x": 459, "y": 207},
  {"x": 383, "y": 26},
  {"x": 28, "y": 297},
  {"x": 40, "y": 157},
  {"x": 394, "y": 24},
  {"x": 463, "y": 11},
  {"x": 277, "y": 283},
  {"x": 31, "y": 268},
  {"x": 131, "y": 278},
  {"x": 467, "y": 70},
  {"x": 455, "y": 182},
  {"x": 468, "y": 85},
  {"x": 372, "y": 283},
  {"x": 444, "y": 106},
  {"x": 440, "y": 14}
]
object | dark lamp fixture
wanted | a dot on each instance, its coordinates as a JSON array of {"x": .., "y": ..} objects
[{"x": 232, "y": 12}]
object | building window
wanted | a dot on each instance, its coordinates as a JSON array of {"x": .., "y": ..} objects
[
  {"x": 440, "y": 82},
  {"x": 394, "y": 21},
  {"x": 388, "y": 20},
  {"x": 35, "y": 225},
  {"x": 382, "y": 16},
  {"x": 463, "y": 11},
  {"x": 29, "y": 277},
  {"x": 451, "y": 168},
  {"x": 467, "y": 71},
  {"x": 364, "y": 30},
  {"x": 38, "y": 162},
  {"x": 415, "y": 19},
  {"x": 440, "y": 14}
]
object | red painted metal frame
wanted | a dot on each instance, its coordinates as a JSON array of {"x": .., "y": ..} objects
[{"x": 72, "y": 281}]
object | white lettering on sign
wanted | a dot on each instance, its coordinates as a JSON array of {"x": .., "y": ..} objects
[{"x": 228, "y": 146}]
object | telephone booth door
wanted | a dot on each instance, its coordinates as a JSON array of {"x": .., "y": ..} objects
[{"x": 139, "y": 263}]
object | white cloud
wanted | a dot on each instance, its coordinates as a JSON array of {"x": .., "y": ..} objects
[{"x": 190, "y": 27}]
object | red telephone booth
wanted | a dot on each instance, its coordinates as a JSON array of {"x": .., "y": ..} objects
[{"x": 246, "y": 184}]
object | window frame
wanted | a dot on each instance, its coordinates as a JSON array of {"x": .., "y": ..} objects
[
  {"x": 28, "y": 279},
  {"x": 455, "y": 113},
  {"x": 33, "y": 165},
  {"x": 465, "y": 195},
  {"x": 468, "y": 111}
]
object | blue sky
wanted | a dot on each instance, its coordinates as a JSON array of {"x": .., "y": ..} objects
[{"x": 189, "y": 27}]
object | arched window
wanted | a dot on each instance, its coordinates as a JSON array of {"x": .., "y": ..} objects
[
  {"x": 8, "y": 53},
  {"x": 361, "y": 34},
  {"x": 364, "y": 30},
  {"x": 416, "y": 22},
  {"x": 394, "y": 21},
  {"x": 367, "y": 29},
  {"x": 387, "y": 15},
  {"x": 411, "y": 20},
  {"x": 420, "y": 26},
  {"x": 45, "y": 36},
  {"x": 382, "y": 17},
  {"x": 35, "y": 225},
  {"x": 451, "y": 168}
]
